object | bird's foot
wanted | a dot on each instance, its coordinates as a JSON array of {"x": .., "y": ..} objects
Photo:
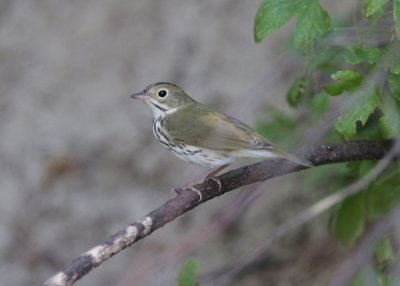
[
  {"x": 213, "y": 179},
  {"x": 197, "y": 192},
  {"x": 208, "y": 178},
  {"x": 180, "y": 190}
]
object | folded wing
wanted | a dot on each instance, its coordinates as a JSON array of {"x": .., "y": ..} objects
[{"x": 213, "y": 130}]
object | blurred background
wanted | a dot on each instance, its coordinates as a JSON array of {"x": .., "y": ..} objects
[{"x": 78, "y": 157}]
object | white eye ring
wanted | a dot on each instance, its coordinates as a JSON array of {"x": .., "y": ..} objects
[{"x": 163, "y": 92}]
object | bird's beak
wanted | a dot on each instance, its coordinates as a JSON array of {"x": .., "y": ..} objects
[{"x": 138, "y": 95}]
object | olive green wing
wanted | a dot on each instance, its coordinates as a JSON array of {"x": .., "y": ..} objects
[{"x": 200, "y": 126}]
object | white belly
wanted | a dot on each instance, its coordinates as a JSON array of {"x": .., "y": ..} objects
[{"x": 204, "y": 157}]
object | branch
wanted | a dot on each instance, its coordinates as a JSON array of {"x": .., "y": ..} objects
[{"x": 187, "y": 200}]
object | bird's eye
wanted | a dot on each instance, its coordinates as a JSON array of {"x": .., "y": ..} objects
[{"x": 162, "y": 93}]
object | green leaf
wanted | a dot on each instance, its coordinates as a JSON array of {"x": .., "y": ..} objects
[
  {"x": 383, "y": 279},
  {"x": 349, "y": 221},
  {"x": 187, "y": 273},
  {"x": 363, "y": 54},
  {"x": 336, "y": 174},
  {"x": 312, "y": 22},
  {"x": 384, "y": 250},
  {"x": 356, "y": 281},
  {"x": 275, "y": 125},
  {"x": 319, "y": 104},
  {"x": 346, "y": 124},
  {"x": 327, "y": 58},
  {"x": 346, "y": 80},
  {"x": 394, "y": 85},
  {"x": 296, "y": 91},
  {"x": 395, "y": 67},
  {"x": 389, "y": 123},
  {"x": 383, "y": 195},
  {"x": 361, "y": 168},
  {"x": 372, "y": 6},
  {"x": 271, "y": 15},
  {"x": 332, "y": 89},
  {"x": 396, "y": 17}
]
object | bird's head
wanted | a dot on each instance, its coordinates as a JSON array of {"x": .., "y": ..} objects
[{"x": 163, "y": 98}]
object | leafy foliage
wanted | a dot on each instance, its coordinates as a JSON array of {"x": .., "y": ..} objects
[
  {"x": 187, "y": 274},
  {"x": 372, "y": 6},
  {"x": 346, "y": 80},
  {"x": 394, "y": 84},
  {"x": 349, "y": 220},
  {"x": 312, "y": 20},
  {"x": 362, "y": 73},
  {"x": 296, "y": 91},
  {"x": 357, "y": 116},
  {"x": 272, "y": 15},
  {"x": 390, "y": 121},
  {"x": 396, "y": 17},
  {"x": 275, "y": 125},
  {"x": 363, "y": 54},
  {"x": 382, "y": 196},
  {"x": 319, "y": 104},
  {"x": 384, "y": 250}
]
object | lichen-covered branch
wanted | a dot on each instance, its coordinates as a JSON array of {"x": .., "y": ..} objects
[{"x": 187, "y": 200}]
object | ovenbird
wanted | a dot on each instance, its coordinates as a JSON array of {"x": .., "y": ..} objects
[{"x": 196, "y": 133}]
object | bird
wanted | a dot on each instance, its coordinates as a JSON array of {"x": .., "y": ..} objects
[{"x": 198, "y": 134}]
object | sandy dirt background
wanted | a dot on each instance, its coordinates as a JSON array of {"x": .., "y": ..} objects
[{"x": 78, "y": 160}]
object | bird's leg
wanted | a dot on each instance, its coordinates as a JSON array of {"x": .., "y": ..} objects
[
  {"x": 209, "y": 177},
  {"x": 190, "y": 186},
  {"x": 179, "y": 190}
]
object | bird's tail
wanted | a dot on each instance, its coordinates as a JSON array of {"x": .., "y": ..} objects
[
  {"x": 294, "y": 158},
  {"x": 272, "y": 152}
]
